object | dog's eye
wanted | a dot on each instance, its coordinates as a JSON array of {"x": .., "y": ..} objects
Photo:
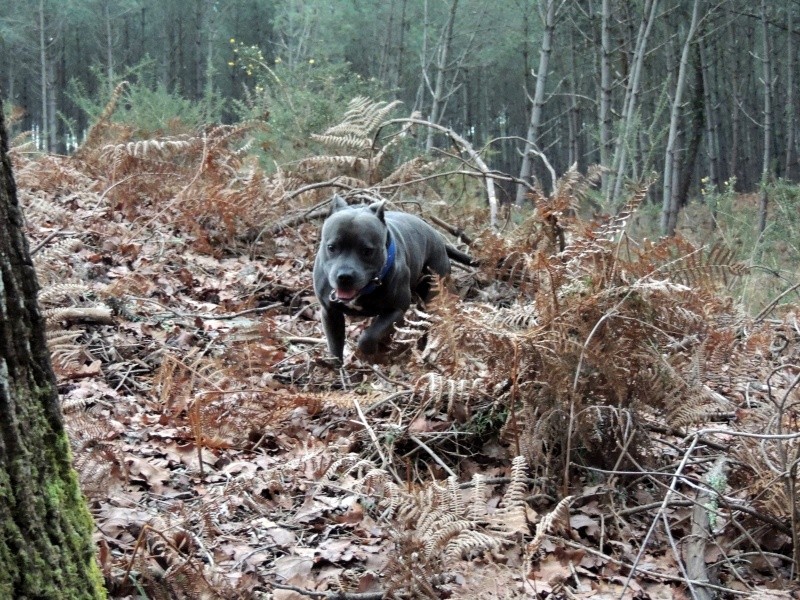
[
  {"x": 366, "y": 252},
  {"x": 331, "y": 248}
]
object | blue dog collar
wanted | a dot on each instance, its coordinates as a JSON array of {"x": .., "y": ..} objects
[{"x": 387, "y": 267}]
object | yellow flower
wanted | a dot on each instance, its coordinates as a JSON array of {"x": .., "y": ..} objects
[
  {"x": 311, "y": 61},
  {"x": 278, "y": 60},
  {"x": 233, "y": 40},
  {"x": 231, "y": 63}
]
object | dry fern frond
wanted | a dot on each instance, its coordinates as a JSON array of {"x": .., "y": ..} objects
[
  {"x": 158, "y": 149},
  {"x": 435, "y": 389},
  {"x": 42, "y": 207},
  {"x": 64, "y": 347},
  {"x": 511, "y": 517},
  {"x": 359, "y": 123},
  {"x": 52, "y": 257},
  {"x": 468, "y": 544},
  {"x": 78, "y": 314},
  {"x": 347, "y": 464},
  {"x": 709, "y": 270},
  {"x": 556, "y": 519},
  {"x": 436, "y": 539},
  {"x": 97, "y": 129},
  {"x": 61, "y": 291}
]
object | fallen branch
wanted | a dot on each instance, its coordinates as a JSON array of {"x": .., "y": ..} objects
[{"x": 466, "y": 147}]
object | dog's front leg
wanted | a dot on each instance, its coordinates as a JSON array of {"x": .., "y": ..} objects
[
  {"x": 333, "y": 325},
  {"x": 380, "y": 329}
]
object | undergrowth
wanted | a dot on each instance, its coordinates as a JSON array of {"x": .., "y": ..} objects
[{"x": 586, "y": 369}]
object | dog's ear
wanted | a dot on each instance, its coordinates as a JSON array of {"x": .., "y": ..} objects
[
  {"x": 338, "y": 203},
  {"x": 378, "y": 208}
]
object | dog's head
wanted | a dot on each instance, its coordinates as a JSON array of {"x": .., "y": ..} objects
[{"x": 353, "y": 251}]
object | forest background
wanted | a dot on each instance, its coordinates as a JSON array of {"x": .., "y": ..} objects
[
  {"x": 696, "y": 94},
  {"x": 631, "y": 398}
]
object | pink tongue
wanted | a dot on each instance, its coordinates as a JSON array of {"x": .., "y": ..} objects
[{"x": 345, "y": 294}]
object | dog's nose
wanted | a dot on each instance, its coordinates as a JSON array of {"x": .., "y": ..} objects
[{"x": 345, "y": 280}]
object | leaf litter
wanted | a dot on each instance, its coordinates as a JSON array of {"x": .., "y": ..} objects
[{"x": 224, "y": 457}]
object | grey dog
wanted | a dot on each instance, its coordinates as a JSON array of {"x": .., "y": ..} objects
[{"x": 372, "y": 262}]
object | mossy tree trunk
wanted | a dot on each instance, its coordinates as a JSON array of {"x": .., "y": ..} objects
[{"x": 46, "y": 550}]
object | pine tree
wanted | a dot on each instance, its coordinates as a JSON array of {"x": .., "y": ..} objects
[{"x": 46, "y": 549}]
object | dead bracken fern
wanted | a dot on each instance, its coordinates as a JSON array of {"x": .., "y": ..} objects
[
  {"x": 355, "y": 131},
  {"x": 586, "y": 336},
  {"x": 699, "y": 269},
  {"x": 100, "y": 127},
  {"x": 557, "y": 519},
  {"x": 434, "y": 526}
]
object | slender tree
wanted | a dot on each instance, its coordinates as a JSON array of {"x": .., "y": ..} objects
[
  {"x": 669, "y": 209},
  {"x": 43, "y": 81},
  {"x": 766, "y": 61},
  {"x": 790, "y": 91},
  {"x": 711, "y": 127},
  {"x": 439, "y": 94},
  {"x": 547, "y": 11},
  {"x": 46, "y": 549},
  {"x": 631, "y": 103},
  {"x": 605, "y": 118}
]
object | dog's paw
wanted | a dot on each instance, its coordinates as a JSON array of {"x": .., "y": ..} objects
[{"x": 368, "y": 344}]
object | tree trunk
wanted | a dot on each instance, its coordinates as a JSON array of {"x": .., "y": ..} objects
[
  {"x": 109, "y": 48},
  {"x": 45, "y": 138},
  {"x": 736, "y": 88},
  {"x": 790, "y": 108},
  {"x": 531, "y": 139},
  {"x": 669, "y": 207},
  {"x": 688, "y": 166},
  {"x": 712, "y": 128},
  {"x": 442, "y": 59},
  {"x": 52, "y": 123},
  {"x": 630, "y": 104},
  {"x": 401, "y": 50},
  {"x": 46, "y": 549},
  {"x": 199, "y": 55},
  {"x": 573, "y": 118},
  {"x": 604, "y": 117},
  {"x": 768, "y": 118},
  {"x": 387, "y": 54}
]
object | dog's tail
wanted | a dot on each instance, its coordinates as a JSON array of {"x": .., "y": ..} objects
[{"x": 457, "y": 255}]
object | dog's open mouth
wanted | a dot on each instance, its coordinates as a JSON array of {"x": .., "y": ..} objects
[{"x": 343, "y": 295}]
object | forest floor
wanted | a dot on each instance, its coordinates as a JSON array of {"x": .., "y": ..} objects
[{"x": 224, "y": 456}]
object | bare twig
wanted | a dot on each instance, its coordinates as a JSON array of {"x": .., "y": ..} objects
[{"x": 466, "y": 147}]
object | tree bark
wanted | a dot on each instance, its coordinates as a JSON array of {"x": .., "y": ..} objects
[
  {"x": 573, "y": 118},
  {"x": 736, "y": 87},
  {"x": 46, "y": 549},
  {"x": 687, "y": 167},
  {"x": 790, "y": 108},
  {"x": 531, "y": 139},
  {"x": 763, "y": 204},
  {"x": 442, "y": 60},
  {"x": 631, "y": 102},
  {"x": 712, "y": 127},
  {"x": 45, "y": 138},
  {"x": 199, "y": 55},
  {"x": 109, "y": 47},
  {"x": 604, "y": 117},
  {"x": 669, "y": 207}
]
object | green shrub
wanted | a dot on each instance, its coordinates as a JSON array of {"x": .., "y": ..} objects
[
  {"x": 148, "y": 107},
  {"x": 295, "y": 100}
]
